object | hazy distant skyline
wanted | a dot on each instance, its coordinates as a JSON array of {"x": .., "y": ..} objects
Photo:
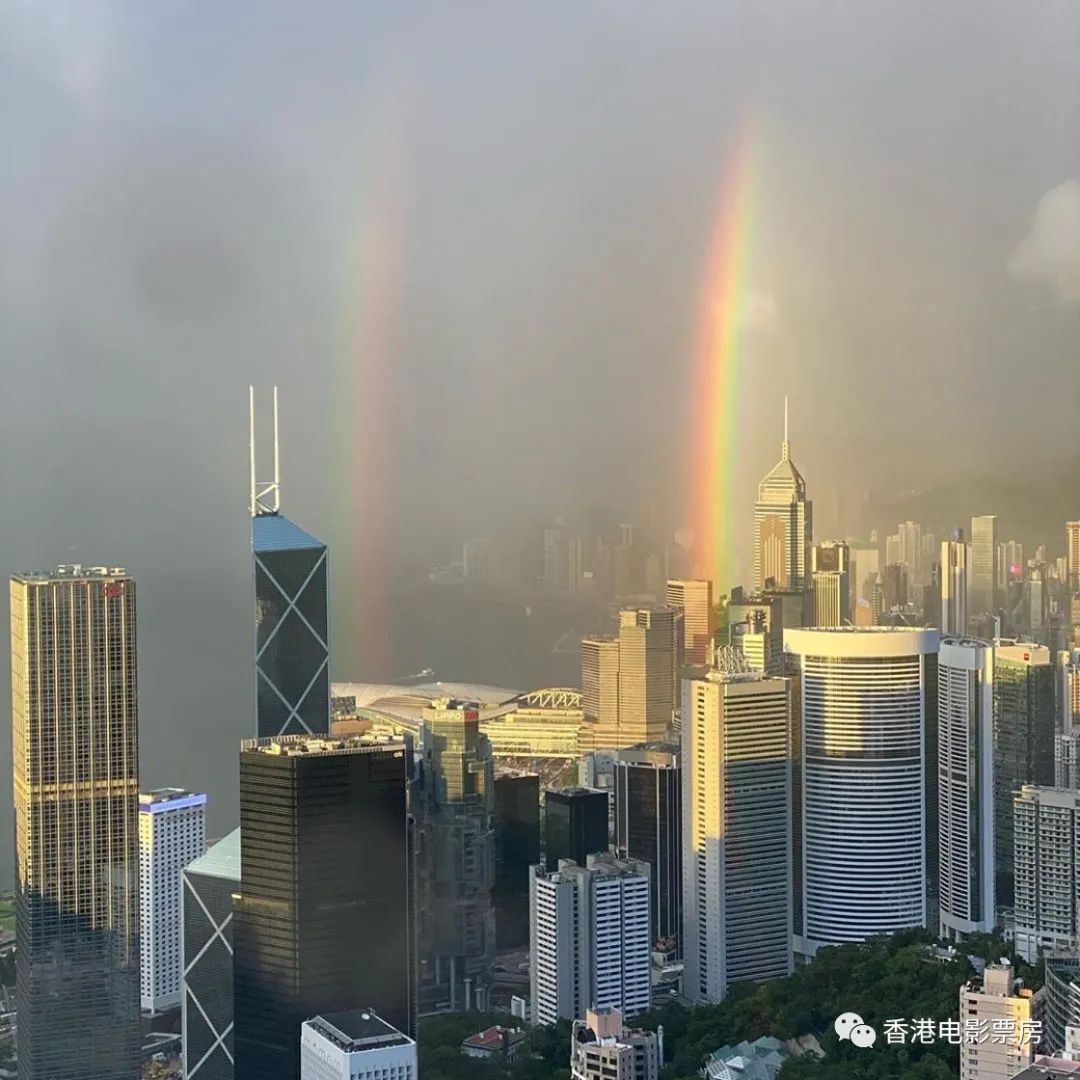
[{"x": 468, "y": 243}]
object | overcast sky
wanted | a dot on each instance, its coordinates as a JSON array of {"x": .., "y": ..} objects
[{"x": 468, "y": 241}]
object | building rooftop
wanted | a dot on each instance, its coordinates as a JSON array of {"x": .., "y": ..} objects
[
  {"x": 170, "y": 798},
  {"x": 575, "y": 791},
  {"x": 494, "y": 1038},
  {"x": 602, "y": 862},
  {"x": 358, "y": 1029},
  {"x": 275, "y": 532},
  {"x": 222, "y": 860},
  {"x": 758, "y": 1060},
  {"x": 71, "y": 572},
  {"x": 322, "y": 745}
]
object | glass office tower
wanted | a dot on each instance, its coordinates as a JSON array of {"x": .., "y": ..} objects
[
  {"x": 292, "y": 651},
  {"x": 323, "y": 919},
  {"x": 76, "y": 786}
]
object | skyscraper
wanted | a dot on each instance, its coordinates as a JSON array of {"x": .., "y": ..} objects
[
  {"x": 1072, "y": 554},
  {"x": 982, "y": 598},
  {"x": 1067, "y": 739},
  {"x": 292, "y": 651},
  {"x": 1024, "y": 730},
  {"x": 646, "y": 675},
  {"x": 172, "y": 832},
  {"x": 966, "y": 787},
  {"x": 865, "y": 778},
  {"x": 206, "y": 1018},
  {"x": 694, "y": 600},
  {"x": 323, "y": 917},
  {"x": 736, "y": 803},
  {"x": 516, "y": 818},
  {"x": 910, "y": 533},
  {"x": 783, "y": 525},
  {"x": 600, "y": 686},
  {"x": 648, "y": 827},
  {"x": 830, "y": 602},
  {"x": 954, "y": 585},
  {"x": 454, "y": 802},
  {"x": 74, "y": 722},
  {"x": 590, "y": 940},
  {"x": 575, "y": 824},
  {"x": 1046, "y": 858}
]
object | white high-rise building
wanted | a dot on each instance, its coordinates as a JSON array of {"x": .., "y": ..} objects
[
  {"x": 736, "y": 829},
  {"x": 1047, "y": 836},
  {"x": 954, "y": 584},
  {"x": 355, "y": 1045},
  {"x": 965, "y": 784},
  {"x": 863, "y": 786},
  {"x": 172, "y": 833},
  {"x": 590, "y": 938}
]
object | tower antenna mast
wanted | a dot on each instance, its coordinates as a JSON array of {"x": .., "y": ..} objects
[{"x": 265, "y": 496}]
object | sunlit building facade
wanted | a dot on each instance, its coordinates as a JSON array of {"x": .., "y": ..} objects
[
  {"x": 865, "y": 778},
  {"x": 74, "y": 722},
  {"x": 783, "y": 527},
  {"x": 954, "y": 585},
  {"x": 172, "y": 832},
  {"x": 694, "y": 599},
  {"x": 965, "y": 785},
  {"x": 736, "y": 803}
]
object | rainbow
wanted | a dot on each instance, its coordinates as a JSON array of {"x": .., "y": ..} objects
[
  {"x": 375, "y": 249},
  {"x": 719, "y": 355}
]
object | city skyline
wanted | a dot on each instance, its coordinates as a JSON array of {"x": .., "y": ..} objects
[{"x": 642, "y": 621}]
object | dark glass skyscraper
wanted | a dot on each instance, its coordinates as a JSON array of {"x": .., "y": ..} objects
[
  {"x": 76, "y": 785},
  {"x": 1024, "y": 729},
  {"x": 292, "y": 651},
  {"x": 207, "y": 945},
  {"x": 517, "y": 847},
  {"x": 322, "y": 922},
  {"x": 575, "y": 824},
  {"x": 454, "y": 800},
  {"x": 648, "y": 827}
]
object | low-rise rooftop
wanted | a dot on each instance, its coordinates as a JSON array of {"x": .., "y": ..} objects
[{"x": 358, "y": 1029}]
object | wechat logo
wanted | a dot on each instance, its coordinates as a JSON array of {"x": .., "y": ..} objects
[{"x": 850, "y": 1026}]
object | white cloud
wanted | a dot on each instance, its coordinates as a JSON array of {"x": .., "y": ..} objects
[{"x": 1050, "y": 253}]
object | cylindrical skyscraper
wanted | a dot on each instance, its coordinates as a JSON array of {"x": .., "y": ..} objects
[
  {"x": 966, "y": 786},
  {"x": 865, "y": 746}
]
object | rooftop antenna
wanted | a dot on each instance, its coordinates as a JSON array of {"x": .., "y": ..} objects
[
  {"x": 265, "y": 495},
  {"x": 786, "y": 449}
]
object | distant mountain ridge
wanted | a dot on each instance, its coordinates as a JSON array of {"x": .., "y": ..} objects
[{"x": 1033, "y": 500}]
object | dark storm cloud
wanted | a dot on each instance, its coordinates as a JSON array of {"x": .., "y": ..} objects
[{"x": 187, "y": 191}]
